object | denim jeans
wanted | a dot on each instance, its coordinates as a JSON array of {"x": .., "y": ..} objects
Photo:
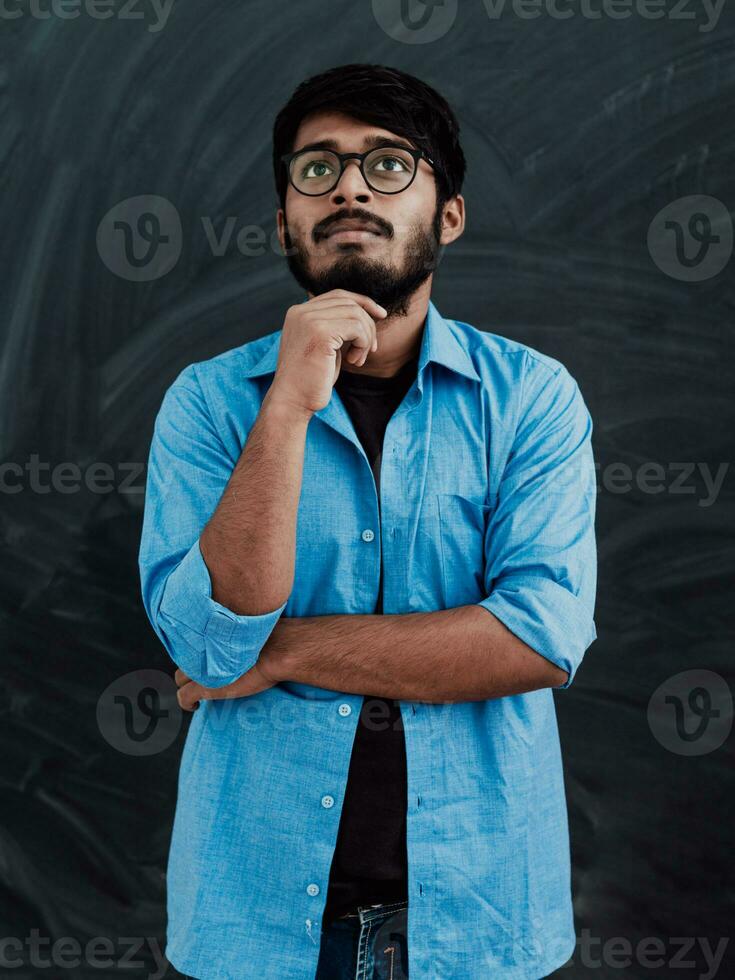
[{"x": 370, "y": 944}]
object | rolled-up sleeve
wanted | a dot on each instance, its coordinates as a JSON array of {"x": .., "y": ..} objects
[
  {"x": 188, "y": 470},
  {"x": 540, "y": 551}
]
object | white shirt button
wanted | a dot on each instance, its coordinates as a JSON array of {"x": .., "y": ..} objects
[
  {"x": 344, "y": 710},
  {"x": 312, "y": 889},
  {"x": 367, "y": 534},
  {"x": 327, "y": 801}
]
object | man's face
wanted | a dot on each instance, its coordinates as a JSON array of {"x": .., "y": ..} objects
[{"x": 387, "y": 266}]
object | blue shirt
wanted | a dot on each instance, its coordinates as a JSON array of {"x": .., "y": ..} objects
[{"x": 488, "y": 496}]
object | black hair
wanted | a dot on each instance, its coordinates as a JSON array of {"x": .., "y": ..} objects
[{"x": 385, "y": 97}]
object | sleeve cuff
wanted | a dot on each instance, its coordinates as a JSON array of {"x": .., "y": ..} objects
[
  {"x": 228, "y": 644},
  {"x": 547, "y": 617}
]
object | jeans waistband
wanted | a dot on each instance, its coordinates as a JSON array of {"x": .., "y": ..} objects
[{"x": 366, "y": 913}]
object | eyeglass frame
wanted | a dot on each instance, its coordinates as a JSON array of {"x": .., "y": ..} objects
[{"x": 343, "y": 157}]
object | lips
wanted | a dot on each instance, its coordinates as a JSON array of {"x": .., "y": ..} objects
[{"x": 353, "y": 226}]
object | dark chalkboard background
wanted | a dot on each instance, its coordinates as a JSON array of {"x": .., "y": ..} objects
[{"x": 578, "y": 132}]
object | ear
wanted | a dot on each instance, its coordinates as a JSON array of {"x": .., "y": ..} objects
[
  {"x": 453, "y": 220},
  {"x": 280, "y": 226}
]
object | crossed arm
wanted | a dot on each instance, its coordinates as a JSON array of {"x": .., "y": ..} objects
[{"x": 460, "y": 654}]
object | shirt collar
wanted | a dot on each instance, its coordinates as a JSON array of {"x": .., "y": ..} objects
[{"x": 439, "y": 343}]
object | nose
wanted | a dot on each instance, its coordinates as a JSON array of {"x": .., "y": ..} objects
[{"x": 351, "y": 186}]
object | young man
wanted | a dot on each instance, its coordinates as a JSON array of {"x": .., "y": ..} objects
[{"x": 369, "y": 547}]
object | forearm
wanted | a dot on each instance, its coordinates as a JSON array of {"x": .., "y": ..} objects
[
  {"x": 249, "y": 543},
  {"x": 460, "y": 654}
]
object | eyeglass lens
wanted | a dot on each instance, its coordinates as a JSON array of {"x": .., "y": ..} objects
[{"x": 388, "y": 169}]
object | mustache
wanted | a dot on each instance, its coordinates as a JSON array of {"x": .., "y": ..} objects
[{"x": 321, "y": 230}]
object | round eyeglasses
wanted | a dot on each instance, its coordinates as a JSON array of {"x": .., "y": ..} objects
[{"x": 386, "y": 169}]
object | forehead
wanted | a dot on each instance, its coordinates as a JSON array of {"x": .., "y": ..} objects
[{"x": 343, "y": 133}]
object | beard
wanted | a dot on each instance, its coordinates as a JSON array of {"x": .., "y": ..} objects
[{"x": 390, "y": 286}]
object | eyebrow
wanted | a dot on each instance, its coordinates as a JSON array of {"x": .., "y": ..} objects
[{"x": 369, "y": 143}]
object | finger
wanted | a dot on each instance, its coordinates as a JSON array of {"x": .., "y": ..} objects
[
  {"x": 342, "y": 311},
  {"x": 372, "y": 332},
  {"x": 355, "y": 327},
  {"x": 373, "y": 309},
  {"x": 190, "y": 695},
  {"x": 364, "y": 343},
  {"x": 339, "y": 309},
  {"x": 180, "y": 677}
]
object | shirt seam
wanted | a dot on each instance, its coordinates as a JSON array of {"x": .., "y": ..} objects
[
  {"x": 206, "y": 401},
  {"x": 201, "y": 393}
]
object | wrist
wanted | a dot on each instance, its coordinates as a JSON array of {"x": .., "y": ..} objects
[
  {"x": 274, "y": 660},
  {"x": 277, "y": 404}
]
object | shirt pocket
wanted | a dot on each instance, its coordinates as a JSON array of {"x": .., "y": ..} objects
[{"x": 462, "y": 527}]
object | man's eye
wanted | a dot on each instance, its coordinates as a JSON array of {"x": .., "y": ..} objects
[
  {"x": 321, "y": 167},
  {"x": 391, "y": 160}
]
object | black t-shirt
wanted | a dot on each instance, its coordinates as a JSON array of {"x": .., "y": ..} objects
[{"x": 370, "y": 862}]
